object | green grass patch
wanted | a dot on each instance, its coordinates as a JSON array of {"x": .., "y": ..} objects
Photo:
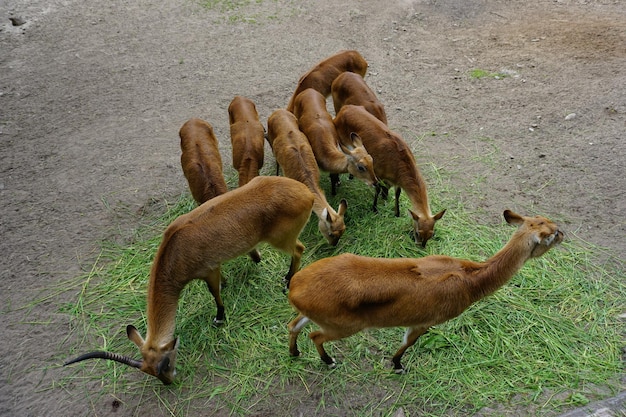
[
  {"x": 481, "y": 73},
  {"x": 553, "y": 329}
]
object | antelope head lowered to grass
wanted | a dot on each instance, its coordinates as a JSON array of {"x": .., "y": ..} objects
[
  {"x": 294, "y": 154},
  {"x": 332, "y": 155},
  {"x": 347, "y": 293},
  {"x": 393, "y": 162},
  {"x": 267, "y": 209}
]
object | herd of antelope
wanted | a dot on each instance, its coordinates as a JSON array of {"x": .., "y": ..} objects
[{"x": 343, "y": 294}]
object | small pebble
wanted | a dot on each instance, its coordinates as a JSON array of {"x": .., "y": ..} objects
[
  {"x": 17, "y": 21},
  {"x": 570, "y": 116}
]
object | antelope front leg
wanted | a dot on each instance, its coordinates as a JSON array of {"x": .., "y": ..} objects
[
  {"x": 213, "y": 282},
  {"x": 334, "y": 183},
  {"x": 375, "y": 204},
  {"x": 398, "y": 191}
]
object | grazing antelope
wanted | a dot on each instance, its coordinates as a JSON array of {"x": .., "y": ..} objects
[
  {"x": 331, "y": 155},
  {"x": 347, "y": 293},
  {"x": 294, "y": 154},
  {"x": 322, "y": 75},
  {"x": 247, "y": 136},
  {"x": 349, "y": 88},
  {"x": 267, "y": 209},
  {"x": 393, "y": 162},
  {"x": 201, "y": 161}
]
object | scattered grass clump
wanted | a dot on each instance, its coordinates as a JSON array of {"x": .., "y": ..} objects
[
  {"x": 481, "y": 73},
  {"x": 553, "y": 329}
]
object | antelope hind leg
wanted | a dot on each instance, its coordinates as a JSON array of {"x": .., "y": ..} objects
[
  {"x": 295, "y": 327},
  {"x": 410, "y": 337},
  {"x": 213, "y": 282}
]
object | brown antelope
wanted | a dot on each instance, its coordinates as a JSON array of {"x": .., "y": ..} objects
[
  {"x": 202, "y": 164},
  {"x": 349, "y": 88},
  {"x": 347, "y": 293},
  {"x": 393, "y": 162},
  {"x": 294, "y": 154},
  {"x": 267, "y": 209},
  {"x": 201, "y": 161},
  {"x": 322, "y": 75},
  {"x": 331, "y": 155},
  {"x": 247, "y": 136}
]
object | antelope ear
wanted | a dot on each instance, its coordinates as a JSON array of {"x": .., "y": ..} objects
[
  {"x": 439, "y": 215},
  {"x": 134, "y": 336},
  {"x": 173, "y": 345},
  {"x": 346, "y": 149},
  {"x": 356, "y": 139},
  {"x": 343, "y": 206},
  {"x": 512, "y": 217},
  {"x": 414, "y": 215},
  {"x": 326, "y": 215}
]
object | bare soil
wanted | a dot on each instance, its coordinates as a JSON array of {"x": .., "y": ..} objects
[{"x": 92, "y": 95}]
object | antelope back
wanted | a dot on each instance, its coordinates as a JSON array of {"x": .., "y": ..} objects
[
  {"x": 317, "y": 125},
  {"x": 292, "y": 149},
  {"x": 322, "y": 75},
  {"x": 201, "y": 160},
  {"x": 349, "y": 88},
  {"x": 247, "y": 138},
  {"x": 264, "y": 210}
]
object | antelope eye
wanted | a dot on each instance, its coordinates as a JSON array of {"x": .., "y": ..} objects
[{"x": 361, "y": 168}]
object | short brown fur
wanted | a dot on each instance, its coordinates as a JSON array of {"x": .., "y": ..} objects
[
  {"x": 331, "y": 155},
  {"x": 393, "y": 162},
  {"x": 347, "y": 293},
  {"x": 322, "y": 75},
  {"x": 247, "y": 136},
  {"x": 349, "y": 88},
  {"x": 267, "y": 209},
  {"x": 201, "y": 160},
  {"x": 294, "y": 154}
]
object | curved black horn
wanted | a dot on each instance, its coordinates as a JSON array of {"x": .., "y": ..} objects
[{"x": 106, "y": 355}]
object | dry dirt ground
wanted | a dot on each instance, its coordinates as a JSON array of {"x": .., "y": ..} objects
[{"x": 92, "y": 95}]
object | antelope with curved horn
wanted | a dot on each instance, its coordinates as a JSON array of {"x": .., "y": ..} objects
[
  {"x": 294, "y": 154},
  {"x": 331, "y": 155},
  {"x": 347, "y": 293},
  {"x": 393, "y": 162},
  {"x": 267, "y": 209},
  {"x": 322, "y": 75},
  {"x": 349, "y": 88}
]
